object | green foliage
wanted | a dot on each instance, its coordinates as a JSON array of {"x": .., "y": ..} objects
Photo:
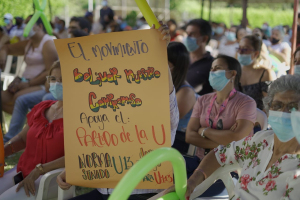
[
  {"x": 23, "y": 8},
  {"x": 131, "y": 18},
  {"x": 256, "y": 15}
]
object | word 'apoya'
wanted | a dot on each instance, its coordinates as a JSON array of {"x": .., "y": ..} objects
[
  {"x": 144, "y": 74},
  {"x": 100, "y": 77},
  {"x": 108, "y": 101}
]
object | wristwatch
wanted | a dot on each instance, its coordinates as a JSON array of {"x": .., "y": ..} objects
[
  {"x": 40, "y": 167},
  {"x": 202, "y": 134}
]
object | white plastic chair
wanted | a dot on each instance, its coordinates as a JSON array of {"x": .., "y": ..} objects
[
  {"x": 262, "y": 119},
  {"x": 8, "y": 77},
  {"x": 222, "y": 173},
  {"x": 49, "y": 190}
]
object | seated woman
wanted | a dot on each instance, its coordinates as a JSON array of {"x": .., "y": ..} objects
[
  {"x": 281, "y": 50},
  {"x": 255, "y": 79},
  {"x": 39, "y": 54},
  {"x": 270, "y": 159},
  {"x": 179, "y": 61},
  {"x": 223, "y": 116},
  {"x": 43, "y": 141},
  {"x": 229, "y": 44}
]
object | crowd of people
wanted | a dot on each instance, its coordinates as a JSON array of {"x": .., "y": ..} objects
[{"x": 219, "y": 78}]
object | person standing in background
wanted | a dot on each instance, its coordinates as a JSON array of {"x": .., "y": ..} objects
[
  {"x": 8, "y": 20},
  {"x": 199, "y": 33},
  {"x": 104, "y": 13},
  {"x": 96, "y": 26}
]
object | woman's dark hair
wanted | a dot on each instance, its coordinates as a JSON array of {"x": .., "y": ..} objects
[
  {"x": 179, "y": 57},
  {"x": 255, "y": 42},
  {"x": 38, "y": 22},
  {"x": 233, "y": 64}
]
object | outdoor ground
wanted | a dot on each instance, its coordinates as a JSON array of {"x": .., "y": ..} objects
[{"x": 11, "y": 161}]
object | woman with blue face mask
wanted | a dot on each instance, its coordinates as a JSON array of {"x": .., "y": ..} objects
[
  {"x": 255, "y": 78},
  {"x": 42, "y": 140},
  {"x": 229, "y": 44},
  {"x": 269, "y": 160},
  {"x": 220, "y": 117}
]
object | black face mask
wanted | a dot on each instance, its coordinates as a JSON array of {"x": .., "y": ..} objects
[{"x": 274, "y": 41}]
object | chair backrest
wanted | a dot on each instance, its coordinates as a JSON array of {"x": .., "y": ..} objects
[
  {"x": 8, "y": 64},
  {"x": 262, "y": 119},
  {"x": 222, "y": 173},
  {"x": 21, "y": 65}
]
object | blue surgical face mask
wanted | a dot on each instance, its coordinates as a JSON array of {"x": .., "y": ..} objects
[
  {"x": 56, "y": 90},
  {"x": 219, "y": 30},
  {"x": 295, "y": 118},
  {"x": 281, "y": 125},
  {"x": 6, "y": 21},
  {"x": 218, "y": 80},
  {"x": 190, "y": 43},
  {"x": 245, "y": 59},
  {"x": 297, "y": 69},
  {"x": 231, "y": 36}
]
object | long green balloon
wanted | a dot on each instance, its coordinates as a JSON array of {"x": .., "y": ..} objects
[
  {"x": 147, "y": 12},
  {"x": 133, "y": 177},
  {"x": 38, "y": 13}
]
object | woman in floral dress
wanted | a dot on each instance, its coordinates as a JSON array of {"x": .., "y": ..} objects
[{"x": 270, "y": 160}]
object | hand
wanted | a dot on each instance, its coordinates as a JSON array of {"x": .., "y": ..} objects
[
  {"x": 164, "y": 30},
  {"x": 200, "y": 130},
  {"x": 189, "y": 189},
  {"x": 28, "y": 182},
  {"x": 61, "y": 181},
  {"x": 23, "y": 85},
  {"x": 3, "y": 56},
  {"x": 234, "y": 127}
]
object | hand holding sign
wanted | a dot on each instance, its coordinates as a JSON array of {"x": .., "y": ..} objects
[{"x": 38, "y": 13}]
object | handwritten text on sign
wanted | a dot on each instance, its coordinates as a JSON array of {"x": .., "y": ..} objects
[{"x": 116, "y": 106}]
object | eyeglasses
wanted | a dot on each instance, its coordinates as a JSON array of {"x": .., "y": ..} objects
[
  {"x": 242, "y": 51},
  {"x": 53, "y": 79},
  {"x": 279, "y": 106}
]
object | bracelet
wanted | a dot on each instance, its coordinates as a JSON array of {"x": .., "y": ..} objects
[
  {"x": 202, "y": 134},
  {"x": 204, "y": 174}
]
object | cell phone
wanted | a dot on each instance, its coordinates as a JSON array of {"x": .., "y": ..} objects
[{"x": 18, "y": 178}]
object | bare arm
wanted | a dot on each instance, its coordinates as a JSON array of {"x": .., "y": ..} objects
[
  {"x": 55, "y": 164},
  {"x": 18, "y": 142},
  {"x": 193, "y": 135},
  {"x": 224, "y": 137},
  {"x": 186, "y": 100},
  {"x": 283, "y": 56},
  {"x": 49, "y": 56}
]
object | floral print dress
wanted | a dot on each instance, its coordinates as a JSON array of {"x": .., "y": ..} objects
[{"x": 281, "y": 181}]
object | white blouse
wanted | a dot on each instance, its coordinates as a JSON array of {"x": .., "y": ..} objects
[{"x": 253, "y": 154}]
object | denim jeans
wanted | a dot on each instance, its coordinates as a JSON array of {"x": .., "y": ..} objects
[
  {"x": 21, "y": 108},
  {"x": 48, "y": 96}
]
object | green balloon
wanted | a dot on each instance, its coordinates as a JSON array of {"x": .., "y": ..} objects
[
  {"x": 146, "y": 164},
  {"x": 38, "y": 13}
]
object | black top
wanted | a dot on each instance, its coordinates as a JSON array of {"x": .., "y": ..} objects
[
  {"x": 198, "y": 73},
  {"x": 255, "y": 91}
]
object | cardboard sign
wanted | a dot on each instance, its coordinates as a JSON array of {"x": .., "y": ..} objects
[{"x": 116, "y": 106}]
